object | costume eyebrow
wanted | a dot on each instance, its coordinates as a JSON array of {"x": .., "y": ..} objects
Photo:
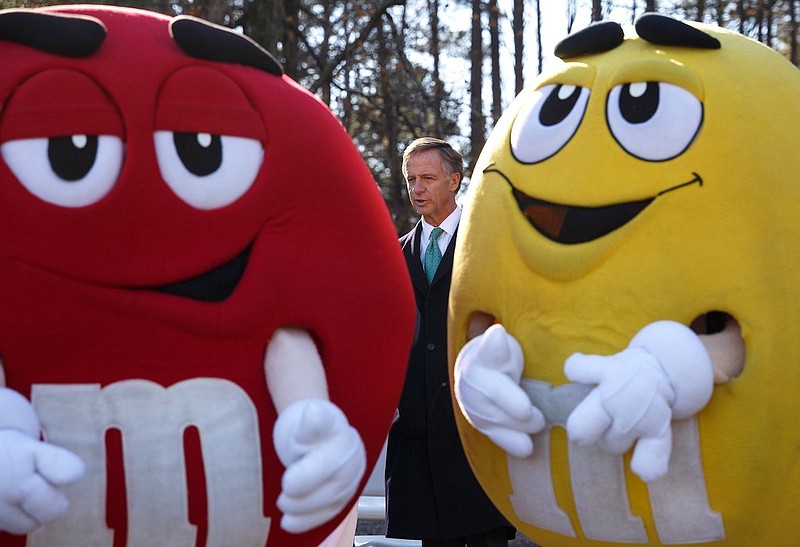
[
  {"x": 66, "y": 35},
  {"x": 203, "y": 40},
  {"x": 652, "y": 27},
  {"x": 665, "y": 31},
  {"x": 596, "y": 38}
]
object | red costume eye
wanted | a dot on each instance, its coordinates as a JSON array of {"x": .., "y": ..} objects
[
  {"x": 211, "y": 176},
  {"x": 208, "y": 139},
  {"x": 70, "y": 171},
  {"x": 200, "y": 153},
  {"x": 62, "y": 138}
]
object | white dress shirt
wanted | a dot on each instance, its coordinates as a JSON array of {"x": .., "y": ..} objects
[{"x": 449, "y": 226}]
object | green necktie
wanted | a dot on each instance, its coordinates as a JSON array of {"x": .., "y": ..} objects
[{"x": 433, "y": 255}]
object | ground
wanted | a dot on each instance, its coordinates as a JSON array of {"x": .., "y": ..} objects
[{"x": 378, "y": 527}]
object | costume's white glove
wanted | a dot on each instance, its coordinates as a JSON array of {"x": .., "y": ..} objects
[
  {"x": 33, "y": 474},
  {"x": 665, "y": 373},
  {"x": 488, "y": 371},
  {"x": 324, "y": 459}
]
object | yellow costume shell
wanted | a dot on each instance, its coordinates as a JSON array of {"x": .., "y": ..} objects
[{"x": 640, "y": 181}]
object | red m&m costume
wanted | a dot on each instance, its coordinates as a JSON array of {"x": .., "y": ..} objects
[{"x": 168, "y": 201}]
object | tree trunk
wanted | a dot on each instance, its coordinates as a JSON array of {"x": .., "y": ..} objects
[
  {"x": 325, "y": 45},
  {"x": 539, "y": 45},
  {"x": 770, "y": 22},
  {"x": 518, "y": 25},
  {"x": 395, "y": 199},
  {"x": 740, "y": 10},
  {"x": 794, "y": 56},
  {"x": 438, "y": 88},
  {"x": 494, "y": 34},
  {"x": 572, "y": 9},
  {"x": 263, "y": 22},
  {"x": 650, "y": 5},
  {"x": 760, "y": 21},
  {"x": 290, "y": 49},
  {"x": 597, "y": 10},
  {"x": 701, "y": 10},
  {"x": 347, "y": 103},
  {"x": 477, "y": 122}
]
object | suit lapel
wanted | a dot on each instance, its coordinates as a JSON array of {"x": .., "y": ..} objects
[{"x": 412, "y": 252}]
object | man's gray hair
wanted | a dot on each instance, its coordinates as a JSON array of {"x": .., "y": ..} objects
[{"x": 452, "y": 161}]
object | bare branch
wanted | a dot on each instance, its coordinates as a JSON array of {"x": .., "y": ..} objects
[{"x": 327, "y": 73}]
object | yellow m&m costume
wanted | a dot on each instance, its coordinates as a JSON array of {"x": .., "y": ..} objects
[{"x": 632, "y": 229}]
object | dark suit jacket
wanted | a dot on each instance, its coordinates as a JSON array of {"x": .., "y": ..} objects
[{"x": 431, "y": 491}]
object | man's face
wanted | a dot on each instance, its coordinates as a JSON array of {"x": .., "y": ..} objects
[{"x": 431, "y": 191}]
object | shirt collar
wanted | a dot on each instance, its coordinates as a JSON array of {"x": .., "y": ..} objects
[{"x": 449, "y": 224}]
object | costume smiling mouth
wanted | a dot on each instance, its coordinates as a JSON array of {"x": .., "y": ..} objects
[
  {"x": 572, "y": 224},
  {"x": 213, "y": 286}
]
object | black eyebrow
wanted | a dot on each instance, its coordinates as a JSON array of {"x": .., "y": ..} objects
[
  {"x": 203, "y": 40},
  {"x": 67, "y": 35},
  {"x": 665, "y": 31},
  {"x": 652, "y": 27},
  {"x": 596, "y": 38}
]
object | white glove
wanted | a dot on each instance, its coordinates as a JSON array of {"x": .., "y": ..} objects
[
  {"x": 324, "y": 458},
  {"x": 33, "y": 474},
  {"x": 488, "y": 371},
  {"x": 665, "y": 373}
]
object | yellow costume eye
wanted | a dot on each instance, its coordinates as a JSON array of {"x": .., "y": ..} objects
[
  {"x": 547, "y": 122},
  {"x": 653, "y": 121}
]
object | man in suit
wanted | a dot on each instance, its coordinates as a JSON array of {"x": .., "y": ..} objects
[{"x": 431, "y": 491}]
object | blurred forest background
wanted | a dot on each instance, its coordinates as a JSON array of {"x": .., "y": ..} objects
[{"x": 394, "y": 70}]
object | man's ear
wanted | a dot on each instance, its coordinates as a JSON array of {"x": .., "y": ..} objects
[{"x": 455, "y": 182}]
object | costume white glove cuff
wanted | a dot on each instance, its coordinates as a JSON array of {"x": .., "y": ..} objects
[
  {"x": 685, "y": 361},
  {"x": 17, "y": 412}
]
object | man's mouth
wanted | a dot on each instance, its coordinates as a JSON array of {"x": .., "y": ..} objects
[
  {"x": 572, "y": 224},
  {"x": 215, "y": 285}
]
